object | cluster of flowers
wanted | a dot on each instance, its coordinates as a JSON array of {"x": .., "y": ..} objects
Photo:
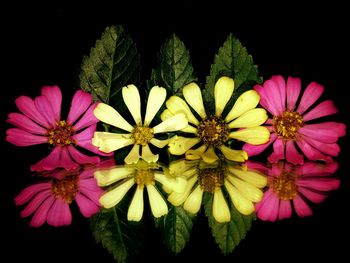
[{"x": 205, "y": 140}]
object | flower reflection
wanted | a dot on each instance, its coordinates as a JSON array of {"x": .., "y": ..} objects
[
  {"x": 142, "y": 174},
  {"x": 49, "y": 201},
  {"x": 242, "y": 185},
  {"x": 289, "y": 184}
]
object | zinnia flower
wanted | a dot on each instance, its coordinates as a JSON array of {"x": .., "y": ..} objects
[
  {"x": 142, "y": 175},
  {"x": 289, "y": 184},
  {"x": 243, "y": 187},
  {"x": 41, "y": 123},
  {"x": 214, "y": 131},
  {"x": 289, "y": 124},
  {"x": 50, "y": 201},
  {"x": 140, "y": 134}
]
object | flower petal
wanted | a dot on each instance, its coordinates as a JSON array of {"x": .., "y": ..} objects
[
  {"x": 273, "y": 91},
  {"x": 134, "y": 155},
  {"x": 87, "y": 119},
  {"x": 147, "y": 155},
  {"x": 80, "y": 102},
  {"x": 314, "y": 197},
  {"x": 23, "y": 122},
  {"x": 82, "y": 158},
  {"x": 40, "y": 215},
  {"x": 66, "y": 161},
  {"x": 175, "y": 123},
  {"x": 245, "y": 102},
  {"x": 293, "y": 92},
  {"x": 177, "y": 105},
  {"x": 113, "y": 197},
  {"x": 331, "y": 149},
  {"x": 327, "y": 132},
  {"x": 176, "y": 184},
  {"x": 196, "y": 154},
  {"x": 223, "y": 92},
  {"x": 54, "y": 95},
  {"x": 86, "y": 134},
  {"x": 319, "y": 184},
  {"x": 131, "y": 97},
  {"x": 156, "y": 98},
  {"x": 311, "y": 153},
  {"x": 325, "y": 108},
  {"x": 249, "y": 191},
  {"x": 311, "y": 94},
  {"x": 194, "y": 200},
  {"x": 179, "y": 145},
  {"x": 285, "y": 210},
  {"x": 251, "y": 118},
  {"x": 265, "y": 100},
  {"x": 221, "y": 212},
  {"x": 292, "y": 155},
  {"x": 27, "y": 107},
  {"x": 253, "y": 135},
  {"x": 193, "y": 96},
  {"x": 50, "y": 162},
  {"x": 313, "y": 169},
  {"x": 109, "y": 142},
  {"x": 59, "y": 214},
  {"x": 234, "y": 155},
  {"x": 87, "y": 207},
  {"x": 44, "y": 107},
  {"x": 20, "y": 137},
  {"x": 256, "y": 149},
  {"x": 281, "y": 85},
  {"x": 86, "y": 144},
  {"x": 243, "y": 205},
  {"x": 301, "y": 208},
  {"x": 177, "y": 198},
  {"x": 135, "y": 210},
  {"x": 160, "y": 143},
  {"x": 166, "y": 114},
  {"x": 278, "y": 151},
  {"x": 269, "y": 209},
  {"x": 27, "y": 193},
  {"x": 189, "y": 129},
  {"x": 156, "y": 200},
  {"x": 257, "y": 179},
  {"x": 209, "y": 156},
  {"x": 112, "y": 175},
  {"x": 34, "y": 204}
]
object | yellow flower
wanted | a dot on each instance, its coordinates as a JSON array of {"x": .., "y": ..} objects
[
  {"x": 139, "y": 135},
  {"x": 242, "y": 186},
  {"x": 142, "y": 175},
  {"x": 214, "y": 131}
]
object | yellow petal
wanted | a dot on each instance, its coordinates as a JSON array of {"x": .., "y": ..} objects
[
  {"x": 157, "y": 202},
  {"x": 166, "y": 114},
  {"x": 222, "y": 92},
  {"x": 110, "y": 176},
  {"x": 196, "y": 153},
  {"x": 248, "y": 190},
  {"x": 255, "y": 135},
  {"x": 189, "y": 129},
  {"x": 113, "y": 197},
  {"x": 179, "y": 145},
  {"x": 108, "y": 142},
  {"x": 254, "y": 178},
  {"x": 177, "y": 199},
  {"x": 234, "y": 155},
  {"x": 107, "y": 114},
  {"x": 135, "y": 210},
  {"x": 221, "y": 212},
  {"x": 194, "y": 201},
  {"x": 131, "y": 97},
  {"x": 176, "y": 184},
  {"x": 160, "y": 143},
  {"x": 243, "y": 205},
  {"x": 193, "y": 96},
  {"x": 181, "y": 167},
  {"x": 251, "y": 118},
  {"x": 209, "y": 156},
  {"x": 147, "y": 155},
  {"x": 175, "y": 123},
  {"x": 247, "y": 101},
  {"x": 156, "y": 98},
  {"x": 134, "y": 155},
  {"x": 177, "y": 105}
]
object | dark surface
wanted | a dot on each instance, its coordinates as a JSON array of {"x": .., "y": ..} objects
[{"x": 44, "y": 45}]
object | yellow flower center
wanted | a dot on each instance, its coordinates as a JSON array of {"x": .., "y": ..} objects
[
  {"x": 210, "y": 179},
  {"x": 143, "y": 135},
  {"x": 61, "y": 134},
  {"x": 213, "y": 131},
  {"x": 144, "y": 177},
  {"x": 284, "y": 185},
  {"x": 66, "y": 189},
  {"x": 288, "y": 124}
]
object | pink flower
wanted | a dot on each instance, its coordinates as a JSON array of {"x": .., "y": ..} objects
[
  {"x": 289, "y": 125},
  {"x": 50, "y": 201},
  {"x": 289, "y": 184},
  {"x": 40, "y": 122}
]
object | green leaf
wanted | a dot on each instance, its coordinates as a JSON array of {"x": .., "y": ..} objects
[
  {"x": 233, "y": 61},
  {"x": 227, "y": 235},
  {"x": 111, "y": 228},
  {"x": 174, "y": 69},
  {"x": 113, "y": 63},
  {"x": 176, "y": 228}
]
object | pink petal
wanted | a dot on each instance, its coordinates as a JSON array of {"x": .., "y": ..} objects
[
  {"x": 311, "y": 94},
  {"x": 331, "y": 149},
  {"x": 54, "y": 95},
  {"x": 265, "y": 100},
  {"x": 285, "y": 210},
  {"x": 320, "y": 184},
  {"x": 278, "y": 151},
  {"x": 327, "y": 132},
  {"x": 27, "y": 107},
  {"x": 89, "y": 188},
  {"x": 87, "y": 119},
  {"x": 86, "y": 134},
  {"x": 87, "y": 145},
  {"x": 36, "y": 202},
  {"x": 59, "y": 214},
  {"x": 40, "y": 215},
  {"x": 301, "y": 207},
  {"x": 311, "y": 195},
  {"x": 256, "y": 149},
  {"x": 80, "y": 102},
  {"x": 292, "y": 154},
  {"x": 281, "y": 84},
  {"x": 20, "y": 137},
  {"x": 316, "y": 169},
  {"x": 269, "y": 210},
  {"x": 82, "y": 158},
  {"x": 272, "y": 89},
  {"x": 44, "y": 107},
  {"x": 27, "y": 193},
  {"x": 50, "y": 162},
  {"x": 293, "y": 91},
  {"x": 66, "y": 161},
  {"x": 257, "y": 166},
  {"x": 23, "y": 122},
  {"x": 266, "y": 196},
  {"x": 325, "y": 108},
  {"x": 311, "y": 153},
  {"x": 86, "y": 206}
]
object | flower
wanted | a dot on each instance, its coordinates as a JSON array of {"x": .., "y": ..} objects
[
  {"x": 289, "y": 125},
  {"x": 140, "y": 134},
  {"x": 214, "y": 131},
  {"x": 49, "y": 201},
  {"x": 143, "y": 175},
  {"x": 40, "y": 122},
  {"x": 243, "y": 187},
  {"x": 289, "y": 184}
]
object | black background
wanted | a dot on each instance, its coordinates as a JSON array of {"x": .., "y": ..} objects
[{"x": 44, "y": 45}]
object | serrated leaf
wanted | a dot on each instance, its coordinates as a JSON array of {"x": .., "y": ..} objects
[
  {"x": 227, "y": 235},
  {"x": 176, "y": 228},
  {"x": 113, "y": 63},
  {"x": 174, "y": 69}
]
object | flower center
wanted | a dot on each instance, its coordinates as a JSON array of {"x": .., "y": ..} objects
[
  {"x": 66, "y": 188},
  {"x": 143, "y": 135},
  {"x": 210, "y": 178},
  {"x": 288, "y": 124},
  {"x": 284, "y": 185},
  {"x": 144, "y": 177},
  {"x": 61, "y": 134},
  {"x": 213, "y": 131}
]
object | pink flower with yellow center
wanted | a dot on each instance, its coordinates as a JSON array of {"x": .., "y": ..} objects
[
  {"x": 40, "y": 122},
  {"x": 290, "y": 125}
]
